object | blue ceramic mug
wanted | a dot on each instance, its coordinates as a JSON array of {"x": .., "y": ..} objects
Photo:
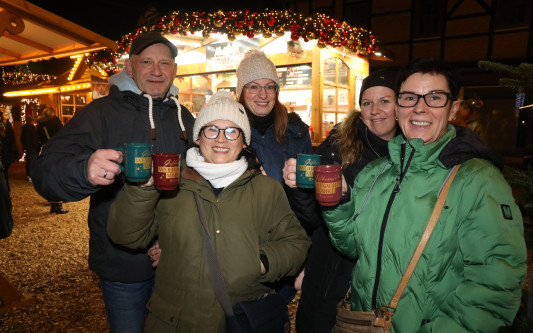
[
  {"x": 137, "y": 161},
  {"x": 305, "y": 166}
]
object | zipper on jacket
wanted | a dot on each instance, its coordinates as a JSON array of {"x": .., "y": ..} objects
[{"x": 395, "y": 190}]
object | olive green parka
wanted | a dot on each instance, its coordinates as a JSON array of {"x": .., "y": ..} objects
[
  {"x": 470, "y": 275},
  {"x": 250, "y": 217}
]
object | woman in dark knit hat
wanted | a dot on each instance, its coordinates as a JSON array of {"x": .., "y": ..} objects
[{"x": 359, "y": 139}]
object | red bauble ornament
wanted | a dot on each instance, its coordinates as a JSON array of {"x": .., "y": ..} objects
[{"x": 294, "y": 36}]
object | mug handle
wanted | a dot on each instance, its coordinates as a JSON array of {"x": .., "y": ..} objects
[{"x": 120, "y": 165}]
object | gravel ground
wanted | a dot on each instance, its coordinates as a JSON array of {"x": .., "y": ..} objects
[{"x": 46, "y": 258}]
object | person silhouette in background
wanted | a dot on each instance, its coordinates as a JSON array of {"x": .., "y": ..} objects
[
  {"x": 472, "y": 120},
  {"x": 10, "y": 152},
  {"x": 48, "y": 126},
  {"x": 30, "y": 143}
]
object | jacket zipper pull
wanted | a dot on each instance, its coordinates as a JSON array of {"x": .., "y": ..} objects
[{"x": 397, "y": 185}]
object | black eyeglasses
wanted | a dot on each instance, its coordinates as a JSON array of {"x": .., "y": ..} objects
[
  {"x": 212, "y": 132},
  {"x": 255, "y": 89},
  {"x": 434, "y": 99}
]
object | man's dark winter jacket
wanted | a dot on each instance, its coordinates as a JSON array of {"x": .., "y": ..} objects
[{"x": 60, "y": 172}]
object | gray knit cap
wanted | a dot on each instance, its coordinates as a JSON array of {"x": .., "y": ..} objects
[
  {"x": 222, "y": 106},
  {"x": 254, "y": 66}
]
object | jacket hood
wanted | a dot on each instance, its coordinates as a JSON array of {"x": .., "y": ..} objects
[
  {"x": 467, "y": 145},
  {"x": 457, "y": 145},
  {"x": 124, "y": 82}
]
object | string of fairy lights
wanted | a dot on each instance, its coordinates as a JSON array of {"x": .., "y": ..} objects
[
  {"x": 326, "y": 31},
  {"x": 21, "y": 74}
]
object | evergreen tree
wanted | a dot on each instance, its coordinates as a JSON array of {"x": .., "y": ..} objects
[{"x": 521, "y": 76}]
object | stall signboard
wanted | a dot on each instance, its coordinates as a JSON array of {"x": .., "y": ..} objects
[
  {"x": 298, "y": 76},
  {"x": 227, "y": 55}
]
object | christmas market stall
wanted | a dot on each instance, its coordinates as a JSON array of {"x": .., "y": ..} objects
[{"x": 320, "y": 61}]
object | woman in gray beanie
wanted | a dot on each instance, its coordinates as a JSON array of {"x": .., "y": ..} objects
[
  {"x": 362, "y": 137},
  {"x": 256, "y": 236},
  {"x": 277, "y": 135}
]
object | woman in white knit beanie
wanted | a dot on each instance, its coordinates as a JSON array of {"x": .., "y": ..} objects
[
  {"x": 256, "y": 237},
  {"x": 277, "y": 135}
]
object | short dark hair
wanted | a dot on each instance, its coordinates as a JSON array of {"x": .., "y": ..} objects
[{"x": 431, "y": 66}]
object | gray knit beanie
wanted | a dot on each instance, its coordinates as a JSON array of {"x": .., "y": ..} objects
[
  {"x": 254, "y": 66},
  {"x": 222, "y": 106}
]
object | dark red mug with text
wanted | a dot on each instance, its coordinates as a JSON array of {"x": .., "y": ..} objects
[
  {"x": 328, "y": 184},
  {"x": 166, "y": 171}
]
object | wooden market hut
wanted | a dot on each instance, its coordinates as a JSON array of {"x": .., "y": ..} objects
[{"x": 321, "y": 61}]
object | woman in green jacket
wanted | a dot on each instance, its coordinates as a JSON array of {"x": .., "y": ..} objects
[
  {"x": 470, "y": 275},
  {"x": 257, "y": 237}
]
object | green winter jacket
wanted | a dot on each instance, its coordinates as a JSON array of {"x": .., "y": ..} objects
[
  {"x": 249, "y": 217},
  {"x": 470, "y": 275}
]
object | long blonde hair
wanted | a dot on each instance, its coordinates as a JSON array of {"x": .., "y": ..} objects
[{"x": 346, "y": 140}]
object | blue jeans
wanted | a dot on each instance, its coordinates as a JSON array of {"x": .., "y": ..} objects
[{"x": 125, "y": 304}]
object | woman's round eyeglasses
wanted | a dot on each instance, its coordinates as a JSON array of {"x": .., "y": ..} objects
[
  {"x": 255, "y": 89},
  {"x": 212, "y": 132},
  {"x": 435, "y": 99}
]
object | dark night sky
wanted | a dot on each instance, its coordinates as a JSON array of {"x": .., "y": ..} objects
[{"x": 114, "y": 18}]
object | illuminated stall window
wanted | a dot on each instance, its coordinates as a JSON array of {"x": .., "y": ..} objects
[
  {"x": 192, "y": 91},
  {"x": 70, "y": 104},
  {"x": 334, "y": 94}
]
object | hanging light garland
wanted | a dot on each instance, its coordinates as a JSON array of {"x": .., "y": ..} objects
[
  {"x": 327, "y": 31},
  {"x": 21, "y": 74}
]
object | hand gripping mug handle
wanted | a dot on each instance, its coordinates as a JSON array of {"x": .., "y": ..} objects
[{"x": 120, "y": 165}]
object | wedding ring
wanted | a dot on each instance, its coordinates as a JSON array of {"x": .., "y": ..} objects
[{"x": 105, "y": 173}]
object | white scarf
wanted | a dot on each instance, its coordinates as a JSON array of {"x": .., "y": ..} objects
[{"x": 219, "y": 175}]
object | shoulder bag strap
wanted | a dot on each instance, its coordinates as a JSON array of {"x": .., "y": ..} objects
[
  {"x": 424, "y": 240},
  {"x": 215, "y": 273}
]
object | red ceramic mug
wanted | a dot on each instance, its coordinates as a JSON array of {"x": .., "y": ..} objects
[
  {"x": 166, "y": 171},
  {"x": 328, "y": 184}
]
